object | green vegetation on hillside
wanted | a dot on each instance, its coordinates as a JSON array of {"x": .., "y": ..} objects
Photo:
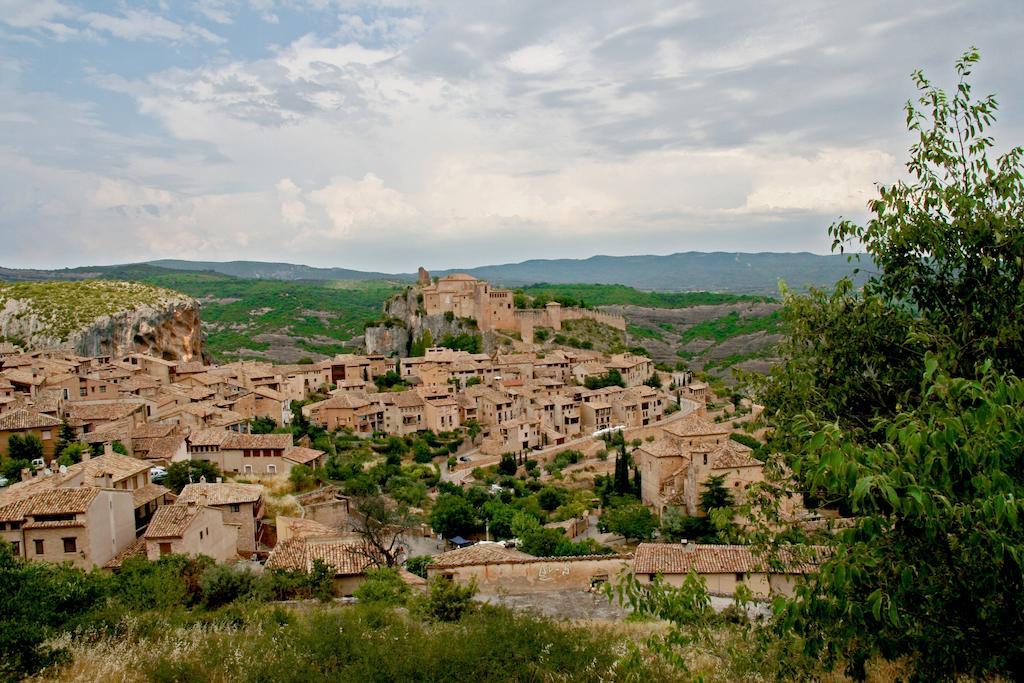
[
  {"x": 320, "y": 315},
  {"x": 609, "y": 295},
  {"x": 64, "y": 307},
  {"x": 733, "y": 325}
]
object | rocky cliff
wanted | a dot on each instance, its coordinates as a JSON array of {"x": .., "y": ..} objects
[
  {"x": 101, "y": 317},
  {"x": 405, "y": 321}
]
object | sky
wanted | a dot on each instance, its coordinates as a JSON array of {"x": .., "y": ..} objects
[{"x": 386, "y": 135}]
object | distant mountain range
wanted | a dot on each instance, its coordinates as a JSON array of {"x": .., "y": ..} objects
[{"x": 758, "y": 273}]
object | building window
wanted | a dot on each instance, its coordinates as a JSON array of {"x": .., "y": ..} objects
[
  {"x": 39, "y": 546},
  {"x": 271, "y": 469},
  {"x": 70, "y": 544},
  {"x": 739, "y": 577},
  {"x": 16, "y": 547},
  {"x": 235, "y": 507},
  {"x": 165, "y": 549},
  {"x": 200, "y": 534},
  {"x": 47, "y": 435}
]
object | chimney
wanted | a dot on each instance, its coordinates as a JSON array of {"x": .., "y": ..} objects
[
  {"x": 87, "y": 455},
  {"x": 108, "y": 449},
  {"x": 203, "y": 497},
  {"x": 684, "y": 542},
  {"x": 202, "y": 479},
  {"x": 220, "y": 480},
  {"x": 26, "y": 473}
]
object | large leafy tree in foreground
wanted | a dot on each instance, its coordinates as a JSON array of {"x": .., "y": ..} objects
[{"x": 933, "y": 469}]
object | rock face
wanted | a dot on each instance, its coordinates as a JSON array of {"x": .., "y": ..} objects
[
  {"x": 405, "y": 322},
  {"x": 97, "y": 318}
]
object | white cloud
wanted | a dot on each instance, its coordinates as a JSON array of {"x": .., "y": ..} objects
[{"x": 362, "y": 205}]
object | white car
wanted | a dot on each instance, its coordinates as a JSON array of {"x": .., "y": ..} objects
[
  {"x": 38, "y": 463},
  {"x": 157, "y": 473},
  {"x": 4, "y": 481}
]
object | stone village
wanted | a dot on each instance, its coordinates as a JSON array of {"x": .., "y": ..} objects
[{"x": 138, "y": 415}]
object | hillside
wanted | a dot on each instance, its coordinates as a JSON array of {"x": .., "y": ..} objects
[
  {"x": 277, "y": 320},
  {"x": 100, "y": 317},
  {"x": 271, "y": 271}
]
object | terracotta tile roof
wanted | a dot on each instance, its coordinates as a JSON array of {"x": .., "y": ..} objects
[
  {"x": 302, "y": 455},
  {"x": 298, "y": 528},
  {"x": 15, "y": 511},
  {"x": 730, "y": 455},
  {"x": 408, "y": 399},
  {"x": 148, "y": 493},
  {"x": 340, "y": 401},
  {"x": 662, "y": 448},
  {"x": 116, "y": 465},
  {"x": 208, "y": 437},
  {"x": 299, "y": 554},
  {"x": 171, "y": 521},
  {"x": 55, "y": 524},
  {"x": 677, "y": 558},
  {"x": 152, "y": 430},
  {"x": 694, "y": 425},
  {"x": 480, "y": 553},
  {"x": 269, "y": 393},
  {"x": 160, "y": 448},
  {"x": 62, "y": 501},
  {"x": 136, "y": 548},
  {"x": 137, "y": 383},
  {"x": 92, "y": 412},
  {"x": 236, "y": 441},
  {"x": 23, "y": 377},
  {"x": 226, "y": 493},
  {"x": 26, "y": 419}
]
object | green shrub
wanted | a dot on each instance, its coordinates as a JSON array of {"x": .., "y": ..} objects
[
  {"x": 446, "y": 600},
  {"x": 383, "y": 586}
]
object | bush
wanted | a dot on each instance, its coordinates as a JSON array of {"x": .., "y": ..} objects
[
  {"x": 507, "y": 466},
  {"x": 383, "y": 586},
  {"x": 301, "y": 478},
  {"x": 632, "y": 521},
  {"x": 222, "y": 584},
  {"x": 446, "y": 600},
  {"x": 418, "y": 565}
]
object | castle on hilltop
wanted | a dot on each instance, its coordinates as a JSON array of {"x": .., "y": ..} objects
[{"x": 494, "y": 309}]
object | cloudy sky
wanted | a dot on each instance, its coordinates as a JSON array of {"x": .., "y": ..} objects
[{"x": 383, "y": 135}]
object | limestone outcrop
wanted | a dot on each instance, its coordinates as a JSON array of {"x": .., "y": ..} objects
[{"x": 101, "y": 317}]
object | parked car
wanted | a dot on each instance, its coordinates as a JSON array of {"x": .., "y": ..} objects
[
  {"x": 464, "y": 458},
  {"x": 157, "y": 473},
  {"x": 4, "y": 481},
  {"x": 38, "y": 463}
]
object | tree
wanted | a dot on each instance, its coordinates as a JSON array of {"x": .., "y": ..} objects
[
  {"x": 676, "y": 526},
  {"x": 452, "y": 516},
  {"x": 71, "y": 454},
  {"x": 612, "y": 378},
  {"x": 621, "y": 484},
  {"x": 262, "y": 425},
  {"x": 119, "y": 448},
  {"x": 715, "y": 495},
  {"x": 301, "y": 478},
  {"x": 180, "y": 474},
  {"x": 508, "y": 465},
  {"x": 418, "y": 565},
  {"x": 901, "y": 404},
  {"x": 421, "y": 452},
  {"x": 632, "y": 521},
  {"x": 24, "y": 448},
  {"x": 381, "y": 524}
]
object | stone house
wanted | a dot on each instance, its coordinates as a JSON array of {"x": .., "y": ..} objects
[
  {"x": 263, "y": 402},
  {"x": 722, "y": 567},
  {"x": 240, "y": 504},
  {"x": 675, "y": 466},
  {"x": 84, "y": 525},
  {"x": 24, "y": 422},
  {"x": 191, "y": 529},
  {"x": 498, "y": 569}
]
